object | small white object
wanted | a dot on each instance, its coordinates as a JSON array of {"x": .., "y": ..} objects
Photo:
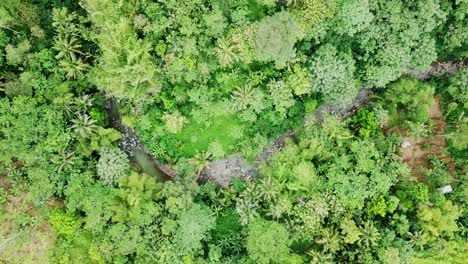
[
  {"x": 446, "y": 189},
  {"x": 406, "y": 144}
]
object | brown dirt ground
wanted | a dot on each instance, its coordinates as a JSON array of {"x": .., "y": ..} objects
[
  {"x": 32, "y": 243},
  {"x": 415, "y": 155}
]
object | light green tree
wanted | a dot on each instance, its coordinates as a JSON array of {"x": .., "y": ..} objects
[
  {"x": 436, "y": 221},
  {"x": 275, "y": 38},
  {"x": 352, "y": 16},
  {"x": 194, "y": 226},
  {"x": 112, "y": 165},
  {"x": 267, "y": 242},
  {"x": 333, "y": 74},
  {"x": 125, "y": 67}
]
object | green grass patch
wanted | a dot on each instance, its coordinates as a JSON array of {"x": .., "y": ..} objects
[{"x": 224, "y": 130}]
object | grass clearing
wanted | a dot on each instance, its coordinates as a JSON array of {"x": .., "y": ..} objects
[{"x": 225, "y": 130}]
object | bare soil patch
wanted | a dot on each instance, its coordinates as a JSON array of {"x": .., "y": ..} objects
[
  {"x": 27, "y": 243},
  {"x": 416, "y": 154}
]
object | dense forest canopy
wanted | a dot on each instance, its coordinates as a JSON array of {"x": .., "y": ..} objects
[{"x": 233, "y": 131}]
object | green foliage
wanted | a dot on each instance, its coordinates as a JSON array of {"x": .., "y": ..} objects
[
  {"x": 97, "y": 138},
  {"x": 275, "y": 38},
  {"x": 267, "y": 242},
  {"x": 199, "y": 80},
  {"x": 17, "y": 55},
  {"x": 17, "y": 13},
  {"x": 134, "y": 202},
  {"x": 455, "y": 34},
  {"x": 298, "y": 81},
  {"x": 411, "y": 195},
  {"x": 454, "y": 100},
  {"x": 350, "y": 231},
  {"x": 313, "y": 16},
  {"x": 91, "y": 200},
  {"x": 408, "y": 99},
  {"x": 125, "y": 68},
  {"x": 364, "y": 123},
  {"x": 227, "y": 225},
  {"x": 332, "y": 75},
  {"x": 381, "y": 206},
  {"x": 34, "y": 131},
  {"x": 174, "y": 122},
  {"x": 353, "y": 16},
  {"x": 112, "y": 165},
  {"x": 281, "y": 95},
  {"x": 22, "y": 86},
  {"x": 438, "y": 175},
  {"x": 193, "y": 227},
  {"x": 63, "y": 223},
  {"x": 437, "y": 221},
  {"x": 390, "y": 46}
]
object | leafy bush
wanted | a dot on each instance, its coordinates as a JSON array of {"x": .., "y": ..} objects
[
  {"x": 63, "y": 223},
  {"x": 112, "y": 165},
  {"x": 353, "y": 16},
  {"x": 267, "y": 242},
  {"x": 437, "y": 221},
  {"x": 275, "y": 38},
  {"x": 364, "y": 123},
  {"x": 408, "y": 99},
  {"x": 333, "y": 75},
  {"x": 194, "y": 226},
  {"x": 16, "y": 55}
]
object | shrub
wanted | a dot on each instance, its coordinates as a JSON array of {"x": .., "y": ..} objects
[
  {"x": 174, "y": 122},
  {"x": 410, "y": 99},
  {"x": 112, "y": 164},
  {"x": 332, "y": 75},
  {"x": 63, "y": 223},
  {"x": 194, "y": 226},
  {"x": 364, "y": 123},
  {"x": 437, "y": 221},
  {"x": 275, "y": 38},
  {"x": 267, "y": 242}
]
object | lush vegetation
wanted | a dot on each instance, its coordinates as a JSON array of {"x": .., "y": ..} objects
[{"x": 202, "y": 80}]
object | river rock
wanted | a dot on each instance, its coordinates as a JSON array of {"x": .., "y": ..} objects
[
  {"x": 406, "y": 144},
  {"x": 225, "y": 170}
]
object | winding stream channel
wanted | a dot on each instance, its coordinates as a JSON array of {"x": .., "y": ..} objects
[
  {"x": 235, "y": 166},
  {"x": 132, "y": 146}
]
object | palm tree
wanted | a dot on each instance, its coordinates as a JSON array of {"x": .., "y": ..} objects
[
  {"x": 224, "y": 51},
  {"x": 319, "y": 257},
  {"x": 247, "y": 210},
  {"x": 67, "y": 47},
  {"x": 250, "y": 193},
  {"x": 74, "y": 69},
  {"x": 62, "y": 21},
  {"x": 84, "y": 126},
  {"x": 277, "y": 209},
  {"x": 329, "y": 239},
  {"x": 243, "y": 96},
  {"x": 83, "y": 103},
  {"x": 64, "y": 161},
  {"x": 268, "y": 189},
  {"x": 370, "y": 235},
  {"x": 418, "y": 239},
  {"x": 200, "y": 161}
]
